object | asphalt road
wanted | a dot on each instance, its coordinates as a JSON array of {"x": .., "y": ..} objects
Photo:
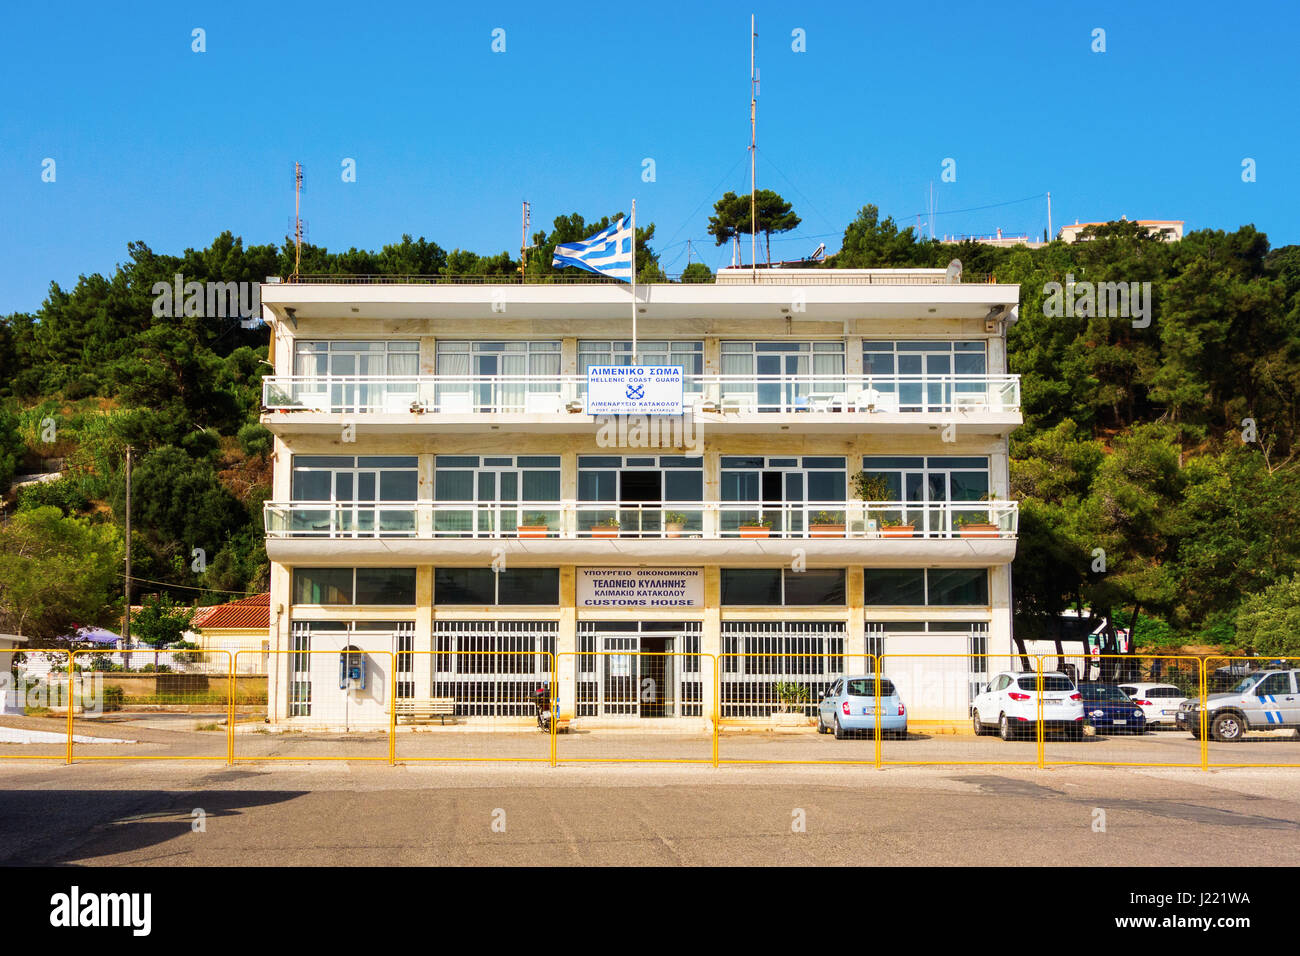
[{"x": 129, "y": 813}]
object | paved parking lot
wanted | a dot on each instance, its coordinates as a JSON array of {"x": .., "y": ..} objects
[
  {"x": 179, "y": 737},
  {"x": 359, "y": 814}
]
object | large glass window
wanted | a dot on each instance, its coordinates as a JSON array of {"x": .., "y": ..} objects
[
  {"x": 497, "y": 376},
  {"x": 356, "y": 488},
  {"x": 922, "y": 369},
  {"x": 940, "y": 493},
  {"x": 372, "y": 359},
  {"x": 922, "y": 586},
  {"x": 782, "y": 587},
  {"x": 645, "y": 493},
  {"x": 387, "y": 586},
  {"x": 787, "y": 492},
  {"x": 781, "y": 376},
  {"x": 487, "y": 587},
  {"x": 505, "y": 492}
]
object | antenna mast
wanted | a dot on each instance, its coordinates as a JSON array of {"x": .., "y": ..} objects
[
  {"x": 753, "y": 150},
  {"x": 297, "y": 219},
  {"x": 523, "y": 242}
]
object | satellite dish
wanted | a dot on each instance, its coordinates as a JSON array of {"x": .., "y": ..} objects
[{"x": 954, "y": 272}]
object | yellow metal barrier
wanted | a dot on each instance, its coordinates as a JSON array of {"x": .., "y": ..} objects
[
  {"x": 38, "y": 693},
  {"x": 1255, "y": 718},
  {"x": 331, "y": 704},
  {"x": 491, "y": 697},
  {"x": 756, "y": 693},
  {"x": 1131, "y": 703},
  {"x": 619, "y": 690},
  {"x": 157, "y": 704}
]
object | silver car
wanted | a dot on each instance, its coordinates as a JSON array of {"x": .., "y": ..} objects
[{"x": 1263, "y": 700}]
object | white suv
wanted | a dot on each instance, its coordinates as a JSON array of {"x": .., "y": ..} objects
[
  {"x": 1159, "y": 702},
  {"x": 1009, "y": 702}
]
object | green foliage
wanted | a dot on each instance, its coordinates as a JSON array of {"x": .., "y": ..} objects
[
  {"x": 65, "y": 493},
  {"x": 112, "y": 697},
  {"x": 256, "y": 439},
  {"x": 57, "y": 573},
  {"x": 161, "y": 622},
  {"x": 733, "y": 216},
  {"x": 697, "y": 272},
  {"x": 1269, "y": 622}
]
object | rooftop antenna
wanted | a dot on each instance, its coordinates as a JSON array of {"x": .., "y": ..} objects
[
  {"x": 523, "y": 241},
  {"x": 753, "y": 150},
  {"x": 1050, "y": 234},
  {"x": 297, "y": 219}
]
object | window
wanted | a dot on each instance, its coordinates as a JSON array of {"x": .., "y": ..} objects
[
  {"x": 1274, "y": 684},
  {"x": 391, "y": 586},
  {"x": 503, "y": 491},
  {"x": 487, "y": 587},
  {"x": 917, "y": 372},
  {"x": 778, "y": 586},
  {"x": 356, "y": 358},
  {"x": 496, "y": 376},
  {"x": 781, "y": 376},
  {"x": 919, "y": 586}
]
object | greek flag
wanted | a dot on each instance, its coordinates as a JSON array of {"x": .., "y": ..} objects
[{"x": 607, "y": 253}]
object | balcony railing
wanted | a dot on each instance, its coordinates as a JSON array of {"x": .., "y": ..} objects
[
  {"x": 714, "y": 520},
  {"x": 562, "y": 394}
]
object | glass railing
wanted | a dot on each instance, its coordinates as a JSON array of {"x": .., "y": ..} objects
[
  {"x": 566, "y": 394},
  {"x": 672, "y": 519}
]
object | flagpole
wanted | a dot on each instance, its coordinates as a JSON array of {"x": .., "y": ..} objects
[{"x": 633, "y": 281}]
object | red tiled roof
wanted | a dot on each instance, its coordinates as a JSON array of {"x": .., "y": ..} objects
[{"x": 247, "y": 612}]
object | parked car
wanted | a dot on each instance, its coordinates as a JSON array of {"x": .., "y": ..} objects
[
  {"x": 1107, "y": 708},
  {"x": 1009, "y": 702},
  {"x": 849, "y": 706},
  {"x": 1159, "y": 702},
  {"x": 1224, "y": 679},
  {"x": 1263, "y": 700}
]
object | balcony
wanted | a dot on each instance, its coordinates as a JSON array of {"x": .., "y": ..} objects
[
  {"x": 752, "y": 402},
  {"x": 884, "y": 532}
]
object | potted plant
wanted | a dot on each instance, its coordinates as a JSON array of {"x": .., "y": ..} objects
[
  {"x": 792, "y": 697},
  {"x": 827, "y": 524},
  {"x": 674, "y": 521},
  {"x": 535, "y": 526},
  {"x": 760, "y": 527},
  {"x": 970, "y": 526},
  {"x": 607, "y": 528},
  {"x": 892, "y": 528}
]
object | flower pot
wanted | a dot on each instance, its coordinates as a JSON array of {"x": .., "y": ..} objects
[
  {"x": 826, "y": 531},
  {"x": 672, "y": 531},
  {"x": 533, "y": 530},
  {"x": 754, "y": 531},
  {"x": 605, "y": 532},
  {"x": 898, "y": 531},
  {"x": 979, "y": 530}
]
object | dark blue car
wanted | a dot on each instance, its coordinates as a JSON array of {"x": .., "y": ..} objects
[{"x": 1109, "y": 710}]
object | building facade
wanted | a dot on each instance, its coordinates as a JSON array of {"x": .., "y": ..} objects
[{"x": 449, "y": 522}]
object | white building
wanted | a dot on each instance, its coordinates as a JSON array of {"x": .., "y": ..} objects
[
  {"x": 1167, "y": 230},
  {"x": 441, "y": 494}
]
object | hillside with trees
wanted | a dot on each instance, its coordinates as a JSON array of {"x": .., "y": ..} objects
[{"x": 1170, "y": 448}]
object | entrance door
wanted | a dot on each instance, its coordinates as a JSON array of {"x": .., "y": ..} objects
[
  {"x": 642, "y": 492},
  {"x": 639, "y": 669}
]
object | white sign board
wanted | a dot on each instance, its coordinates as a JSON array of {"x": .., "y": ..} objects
[
  {"x": 641, "y": 587},
  {"x": 634, "y": 389}
]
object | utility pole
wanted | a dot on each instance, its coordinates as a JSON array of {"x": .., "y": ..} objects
[
  {"x": 126, "y": 623},
  {"x": 753, "y": 151}
]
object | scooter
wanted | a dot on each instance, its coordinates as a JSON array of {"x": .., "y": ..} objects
[{"x": 543, "y": 704}]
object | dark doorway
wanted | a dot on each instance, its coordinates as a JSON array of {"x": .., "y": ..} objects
[
  {"x": 635, "y": 487},
  {"x": 640, "y": 486},
  {"x": 656, "y": 676}
]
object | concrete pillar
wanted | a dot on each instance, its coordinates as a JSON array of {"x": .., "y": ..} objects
[
  {"x": 855, "y": 641},
  {"x": 711, "y": 636},
  {"x": 422, "y": 665},
  {"x": 566, "y": 642}
]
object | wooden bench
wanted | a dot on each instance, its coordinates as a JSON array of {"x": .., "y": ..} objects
[{"x": 417, "y": 709}]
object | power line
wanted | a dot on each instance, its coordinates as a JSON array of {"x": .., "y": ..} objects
[
  {"x": 992, "y": 205},
  {"x": 189, "y": 587}
]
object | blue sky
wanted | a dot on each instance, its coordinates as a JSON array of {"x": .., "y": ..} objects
[{"x": 157, "y": 143}]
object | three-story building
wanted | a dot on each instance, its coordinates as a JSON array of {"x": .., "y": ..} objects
[{"x": 836, "y": 487}]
